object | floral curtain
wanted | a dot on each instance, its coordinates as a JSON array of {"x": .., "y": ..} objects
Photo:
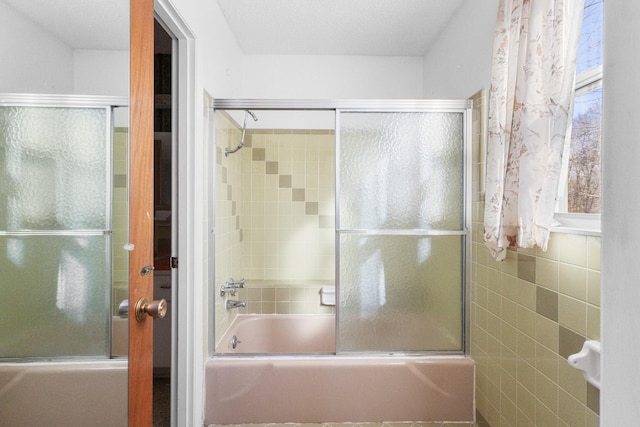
[{"x": 530, "y": 103}]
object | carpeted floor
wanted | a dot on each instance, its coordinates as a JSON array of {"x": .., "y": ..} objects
[{"x": 161, "y": 402}]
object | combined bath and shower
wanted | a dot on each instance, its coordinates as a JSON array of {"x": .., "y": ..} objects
[{"x": 228, "y": 151}]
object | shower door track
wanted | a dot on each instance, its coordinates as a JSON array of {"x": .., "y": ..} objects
[
  {"x": 422, "y": 105},
  {"x": 38, "y": 100}
]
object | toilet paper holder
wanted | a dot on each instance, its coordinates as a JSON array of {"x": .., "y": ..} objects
[{"x": 588, "y": 361}]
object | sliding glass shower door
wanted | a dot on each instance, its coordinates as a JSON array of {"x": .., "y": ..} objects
[
  {"x": 55, "y": 231},
  {"x": 401, "y": 230}
]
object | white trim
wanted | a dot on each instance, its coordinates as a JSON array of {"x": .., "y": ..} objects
[
  {"x": 187, "y": 346},
  {"x": 588, "y": 87},
  {"x": 576, "y": 223},
  {"x": 588, "y": 77},
  {"x": 620, "y": 317},
  {"x": 586, "y": 81}
]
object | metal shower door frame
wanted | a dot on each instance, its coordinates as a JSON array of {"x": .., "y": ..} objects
[
  {"x": 109, "y": 103},
  {"x": 384, "y": 106}
]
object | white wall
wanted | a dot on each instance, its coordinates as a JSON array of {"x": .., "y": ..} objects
[
  {"x": 225, "y": 72},
  {"x": 32, "y": 60},
  {"x": 331, "y": 77},
  {"x": 458, "y": 64},
  {"x": 620, "y": 211},
  {"x": 101, "y": 72},
  {"x": 37, "y": 62},
  {"x": 218, "y": 57}
]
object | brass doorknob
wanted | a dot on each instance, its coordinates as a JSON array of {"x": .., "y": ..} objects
[{"x": 156, "y": 309}]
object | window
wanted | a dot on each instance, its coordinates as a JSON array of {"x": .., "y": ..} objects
[{"x": 582, "y": 190}]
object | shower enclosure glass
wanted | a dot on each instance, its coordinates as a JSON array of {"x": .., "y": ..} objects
[
  {"x": 379, "y": 187},
  {"x": 401, "y": 231},
  {"x": 55, "y": 230}
]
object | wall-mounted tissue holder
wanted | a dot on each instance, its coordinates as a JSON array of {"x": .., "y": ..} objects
[{"x": 588, "y": 361}]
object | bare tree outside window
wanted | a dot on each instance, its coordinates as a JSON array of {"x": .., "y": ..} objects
[
  {"x": 584, "y": 162},
  {"x": 584, "y": 177}
]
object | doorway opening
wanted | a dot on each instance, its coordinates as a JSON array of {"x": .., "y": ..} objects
[{"x": 164, "y": 219}]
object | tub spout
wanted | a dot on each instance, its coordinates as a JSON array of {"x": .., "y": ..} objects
[{"x": 235, "y": 304}]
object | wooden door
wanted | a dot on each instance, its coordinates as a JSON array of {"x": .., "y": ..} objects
[{"x": 141, "y": 212}]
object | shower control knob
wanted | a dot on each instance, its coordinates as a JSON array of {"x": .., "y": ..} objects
[{"x": 157, "y": 309}]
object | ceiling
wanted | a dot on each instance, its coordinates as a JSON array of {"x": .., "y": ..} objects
[
  {"x": 288, "y": 27},
  {"x": 338, "y": 27},
  {"x": 81, "y": 24}
]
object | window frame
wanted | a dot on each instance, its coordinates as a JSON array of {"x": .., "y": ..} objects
[{"x": 569, "y": 222}]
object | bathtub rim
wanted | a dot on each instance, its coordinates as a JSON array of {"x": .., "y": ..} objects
[
  {"x": 246, "y": 316},
  {"x": 345, "y": 355},
  {"x": 340, "y": 357}
]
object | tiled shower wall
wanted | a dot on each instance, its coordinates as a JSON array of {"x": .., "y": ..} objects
[
  {"x": 287, "y": 212},
  {"x": 287, "y": 220},
  {"x": 275, "y": 215},
  {"x": 228, "y": 236},
  {"x": 528, "y": 314}
]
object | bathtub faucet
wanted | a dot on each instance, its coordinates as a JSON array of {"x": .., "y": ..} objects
[
  {"x": 231, "y": 286},
  {"x": 235, "y": 304}
]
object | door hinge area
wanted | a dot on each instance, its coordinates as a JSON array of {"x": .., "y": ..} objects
[{"x": 173, "y": 262}]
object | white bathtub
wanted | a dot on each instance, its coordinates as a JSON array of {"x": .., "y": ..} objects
[
  {"x": 329, "y": 388},
  {"x": 64, "y": 394}
]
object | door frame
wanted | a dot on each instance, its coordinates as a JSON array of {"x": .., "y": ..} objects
[
  {"x": 188, "y": 349},
  {"x": 188, "y": 352}
]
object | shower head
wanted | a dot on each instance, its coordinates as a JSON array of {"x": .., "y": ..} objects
[
  {"x": 253, "y": 116},
  {"x": 228, "y": 151}
]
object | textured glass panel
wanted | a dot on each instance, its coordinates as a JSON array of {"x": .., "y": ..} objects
[
  {"x": 401, "y": 171},
  {"x": 53, "y": 296},
  {"x": 53, "y": 168},
  {"x": 400, "y": 293}
]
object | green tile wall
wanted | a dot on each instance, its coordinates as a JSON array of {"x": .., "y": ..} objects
[
  {"x": 287, "y": 209},
  {"x": 528, "y": 314}
]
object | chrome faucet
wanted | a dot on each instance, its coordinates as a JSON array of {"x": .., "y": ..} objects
[
  {"x": 235, "y": 304},
  {"x": 231, "y": 286}
]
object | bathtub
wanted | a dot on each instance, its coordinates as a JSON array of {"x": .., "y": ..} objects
[
  {"x": 95, "y": 393},
  {"x": 323, "y": 388},
  {"x": 280, "y": 333}
]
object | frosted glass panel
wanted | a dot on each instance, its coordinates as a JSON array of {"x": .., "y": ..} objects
[
  {"x": 401, "y": 171},
  {"x": 53, "y": 172},
  {"x": 400, "y": 293},
  {"x": 54, "y": 296}
]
